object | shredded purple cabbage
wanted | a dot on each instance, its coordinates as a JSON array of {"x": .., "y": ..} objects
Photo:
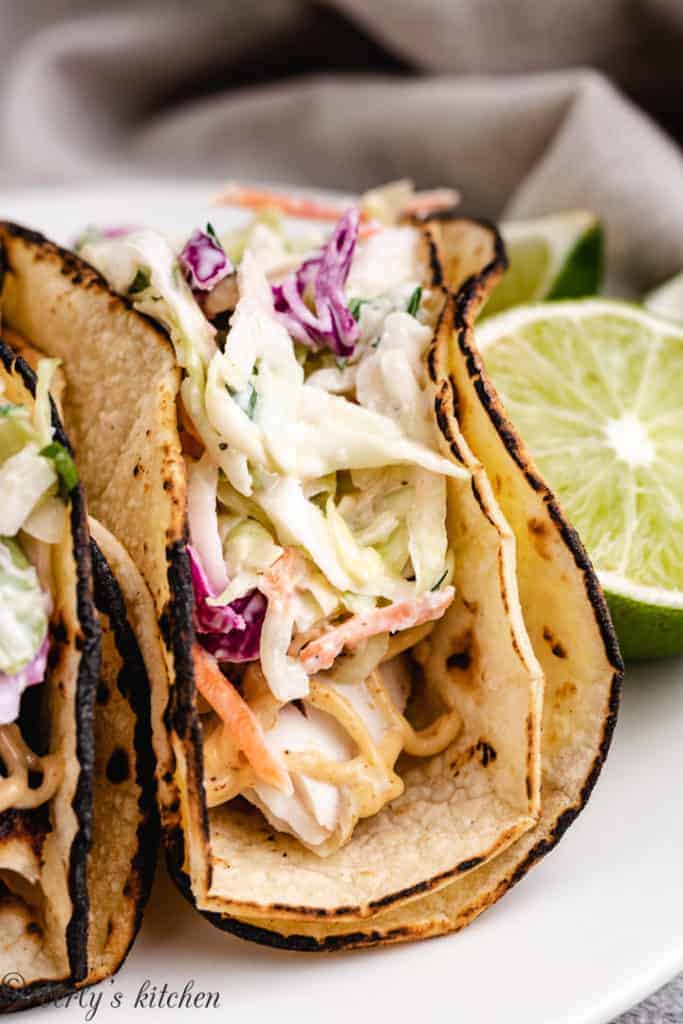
[
  {"x": 118, "y": 230},
  {"x": 204, "y": 261},
  {"x": 231, "y": 632},
  {"x": 321, "y": 279},
  {"x": 241, "y": 644},
  {"x": 93, "y": 233},
  {"x": 12, "y": 687}
]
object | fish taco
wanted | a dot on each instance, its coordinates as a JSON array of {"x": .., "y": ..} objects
[
  {"x": 348, "y": 705},
  {"x": 75, "y": 834},
  {"x": 564, "y": 610}
]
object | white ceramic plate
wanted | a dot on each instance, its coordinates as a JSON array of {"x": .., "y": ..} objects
[{"x": 593, "y": 929}]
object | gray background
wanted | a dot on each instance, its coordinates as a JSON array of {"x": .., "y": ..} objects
[{"x": 527, "y": 106}]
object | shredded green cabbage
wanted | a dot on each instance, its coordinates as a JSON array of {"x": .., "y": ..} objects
[
  {"x": 338, "y": 459},
  {"x": 24, "y": 479},
  {"x": 23, "y": 612},
  {"x": 16, "y": 429},
  {"x": 42, "y": 411},
  {"x": 143, "y": 266}
]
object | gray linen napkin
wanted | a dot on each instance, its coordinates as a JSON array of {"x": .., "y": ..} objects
[{"x": 516, "y": 102}]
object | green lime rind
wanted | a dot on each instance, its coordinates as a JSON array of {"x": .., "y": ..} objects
[
  {"x": 594, "y": 387},
  {"x": 559, "y": 256},
  {"x": 583, "y": 269},
  {"x": 645, "y": 631},
  {"x": 528, "y": 263}
]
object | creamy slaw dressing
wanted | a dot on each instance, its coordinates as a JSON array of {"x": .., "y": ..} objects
[
  {"x": 32, "y": 517},
  {"x": 322, "y": 487}
]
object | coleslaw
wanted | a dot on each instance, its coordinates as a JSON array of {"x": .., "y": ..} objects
[{"x": 317, "y": 506}]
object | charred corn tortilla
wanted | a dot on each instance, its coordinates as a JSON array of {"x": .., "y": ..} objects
[
  {"x": 235, "y": 862},
  {"x": 489, "y": 778},
  {"x": 563, "y": 607},
  {"x": 472, "y": 803},
  {"x": 75, "y": 872},
  {"x": 128, "y": 454}
]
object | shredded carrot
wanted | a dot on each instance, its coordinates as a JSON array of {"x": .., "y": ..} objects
[
  {"x": 280, "y": 581},
  {"x": 369, "y": 227},
  {"x": 319, "y": 654},
  {"x": 262, "y": 198},
  {"x": 430, "y": 201},
  {"x": 289, "y": 205},
  {"x": 253, "y": 198},
  {"x": 239, "y": 719}
]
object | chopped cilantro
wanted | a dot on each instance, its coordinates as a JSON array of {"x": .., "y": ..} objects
[
  {"x": 251, "y": 402},
  {"x": 440, "y": 580},
  {"x": 64, "y": 467},
  {"x": 354, "y": 307},
  {"x": 211, "y": 232},
  {"x": 246, "y": 399},
  {"x": 141, "y": 281},
  {"x": 414, "y": 301}
]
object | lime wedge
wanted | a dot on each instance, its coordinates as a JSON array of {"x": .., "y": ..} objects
[
  {"x": 556, "y": 257},
  {"x": 595, "y": 388},
  {"x": 667, "y": 299}
]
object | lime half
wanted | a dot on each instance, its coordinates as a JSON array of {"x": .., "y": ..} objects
[
  {"x": 667, "y": 300},
  {"x": 555, "y": 257},
  {"x": 595, "y": 388}
]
